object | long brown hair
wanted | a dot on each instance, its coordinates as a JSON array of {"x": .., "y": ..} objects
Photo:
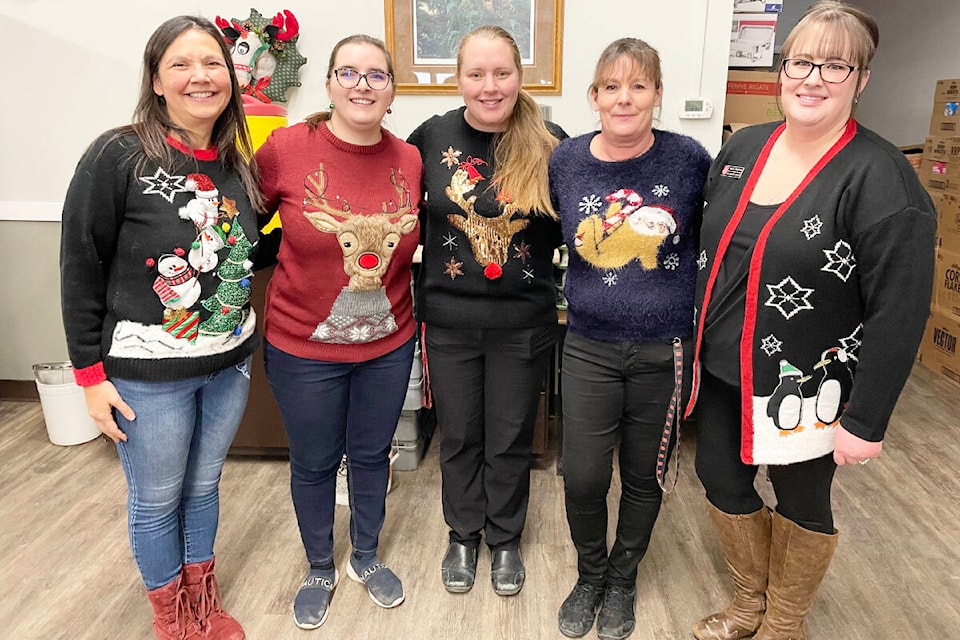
[
  {"x": 152, "y": 123},
  {"x": 522, "y": 151},
  {"x": 314, "y": 119}
]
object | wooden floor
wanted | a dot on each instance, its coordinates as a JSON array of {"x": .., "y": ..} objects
[{"x": 66, "y": 569}]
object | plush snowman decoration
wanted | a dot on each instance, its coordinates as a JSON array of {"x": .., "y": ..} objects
[
  {"x": 203, "y": 210},
  {"x": 203, "y": 253},
  {"x": 177, "y": 285}
]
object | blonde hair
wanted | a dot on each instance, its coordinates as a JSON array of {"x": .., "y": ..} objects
[
  {"x": 842, "y": 30},
  {"x": 522, "y": 151},
  {"x": 644, "y": 57}
]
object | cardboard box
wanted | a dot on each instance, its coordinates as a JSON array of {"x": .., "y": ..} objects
[
  {"x": 937, "y": 148},
  {"x": 946, "y": 284},
  {"x": 947, "y": 90},
  {"x": 945, "y": 119},
  {"x": 938, "y": 348},
  {"x": 938, "y": 175},
  {"x": 751, "y": 39},
  {"x": 948, "y": 222},
  {"x": 751, "y": 98}
]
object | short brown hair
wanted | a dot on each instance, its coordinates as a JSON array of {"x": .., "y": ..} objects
[{"x": 314, "y": 119}]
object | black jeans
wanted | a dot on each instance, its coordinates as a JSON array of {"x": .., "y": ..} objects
[
  {"x": 485, "y": 385},
  {"x": 613, "y": 391},
  {"x": 802, "y": 488}
]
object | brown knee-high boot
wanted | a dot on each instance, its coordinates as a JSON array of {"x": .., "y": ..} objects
[
  {"x": 798, "y": 561},
  {"x": 745, "y": 542}
]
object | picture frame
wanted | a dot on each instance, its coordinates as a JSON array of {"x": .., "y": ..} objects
[{"x": 422, "y": 36}]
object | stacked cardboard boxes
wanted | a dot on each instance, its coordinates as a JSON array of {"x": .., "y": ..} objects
[{"x": 940, "y": 174}]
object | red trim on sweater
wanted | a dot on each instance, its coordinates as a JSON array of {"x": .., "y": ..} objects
[
  {"x": 89, "y": 376},
  {"x": 200, "y": 154},
  {"x": 753, "y": 278}
]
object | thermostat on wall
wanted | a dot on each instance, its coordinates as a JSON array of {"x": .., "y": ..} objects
[{"x": 694, "y": 108}]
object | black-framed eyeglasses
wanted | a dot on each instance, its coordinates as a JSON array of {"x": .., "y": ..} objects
[
  {"x": 350, "y": 78},
  {"x": 832, "y": 72}
]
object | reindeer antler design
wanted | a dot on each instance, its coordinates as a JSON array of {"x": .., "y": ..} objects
[
  {"x": 489, "y": 237},
  {"x": 367, "y": 241}
]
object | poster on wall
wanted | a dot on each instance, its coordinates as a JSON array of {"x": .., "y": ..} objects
[{"x": 751, "y": 39}]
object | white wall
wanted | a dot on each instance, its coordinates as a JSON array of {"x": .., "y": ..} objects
[{"x": 919, "y": 44}]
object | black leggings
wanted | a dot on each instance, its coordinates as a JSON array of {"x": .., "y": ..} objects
[{"x": 802, "y": 488}]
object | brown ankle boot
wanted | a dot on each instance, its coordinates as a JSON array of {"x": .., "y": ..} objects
[
  {"x": 172, "y": 618},
  {"x": 745, "y": 542},
  {"x": 798, "y": 561},
  {"x": 204, "y": 596}
]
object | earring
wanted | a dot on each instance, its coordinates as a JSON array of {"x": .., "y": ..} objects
[
  {"x": 389, "y": 109},
  {"x": 162, "y": 100},
  {"x": 331, "y": 105}
]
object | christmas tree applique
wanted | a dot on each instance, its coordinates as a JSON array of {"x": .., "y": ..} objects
[{"x": 232, "y": 294}]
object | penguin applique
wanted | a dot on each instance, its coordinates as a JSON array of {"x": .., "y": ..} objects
[
  {"x": 786, "y": 402},
  {"x": 835, "y": 385}
]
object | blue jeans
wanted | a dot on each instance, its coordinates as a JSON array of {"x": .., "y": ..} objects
[
  {"x": 172, "y": 459},
  {"x": 329, "y": 408}
]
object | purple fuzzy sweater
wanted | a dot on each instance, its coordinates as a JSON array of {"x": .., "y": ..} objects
[{"x": 632, "y": 231}]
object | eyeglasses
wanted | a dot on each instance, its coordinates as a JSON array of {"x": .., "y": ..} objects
[
  {"x": 832, "y": 72},
  {"x": 350, "y": 78}
]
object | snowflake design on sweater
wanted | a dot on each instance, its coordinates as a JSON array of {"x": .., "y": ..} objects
[
  {"x": 610, "y": 278},
  {"x": 528, "y": 275},
  {"x": 840, "y": 260},
  {"x": 770, "y": 345},
  {"x": 812, "y": 227},
  {"x": 164, "y": 184},
  {"x": 702, "y": 260},
  {"x": 852, "y": 342},
  {"x": 523, "y": 251},
  {"x": 451, "y": 157},
  {"x": 671, "y": 262},
  {"x": 661, "y": 191},
  {"x": 788, "y": 297},
  {"x": 449, "y": 241},
  {"x": 453, "y": 269},
  {"x": 590, "y": 204}
]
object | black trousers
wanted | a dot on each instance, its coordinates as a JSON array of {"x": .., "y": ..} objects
[
  {"x": 486, "y": 384},
  {"x": 613, "y": 392},
  {"x": 802, "y": 489}
]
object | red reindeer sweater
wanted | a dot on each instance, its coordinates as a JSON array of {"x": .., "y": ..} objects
[{"x": 341, "y": 289}]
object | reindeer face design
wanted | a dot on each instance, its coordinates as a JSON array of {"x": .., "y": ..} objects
[{"x": 367, "y": 241}]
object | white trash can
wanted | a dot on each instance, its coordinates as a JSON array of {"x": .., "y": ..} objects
[{"x": 64, "y": 405}]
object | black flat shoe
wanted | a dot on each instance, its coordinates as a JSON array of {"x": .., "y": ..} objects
[
  {"x": 459, "y": 568},
  {"x": 507, "y": 572}
]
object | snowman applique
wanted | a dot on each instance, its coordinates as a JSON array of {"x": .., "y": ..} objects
[
  {"x": 204, "y": 212},
  {"x": 176, "y": 283}
]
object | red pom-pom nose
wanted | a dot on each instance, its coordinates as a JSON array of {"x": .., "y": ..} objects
[{"x": 369, "y": 261}]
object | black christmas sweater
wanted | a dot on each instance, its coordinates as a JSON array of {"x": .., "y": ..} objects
[
  {"x": 486, "y": 265},
  {"x": 632, "y": 228},
  {"x": 837, "y": 292},
  {"x": 155, "y": 265}
]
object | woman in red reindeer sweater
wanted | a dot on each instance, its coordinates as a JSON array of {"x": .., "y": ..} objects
[{"x": 338, "y": 320}]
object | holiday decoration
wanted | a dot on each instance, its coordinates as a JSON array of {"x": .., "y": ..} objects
[
  {"x": 226, "y": 304},
  {"x": 264, "y": 53}
]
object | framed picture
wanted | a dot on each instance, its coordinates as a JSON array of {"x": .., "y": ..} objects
[{"x": 423, "y": 35}]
